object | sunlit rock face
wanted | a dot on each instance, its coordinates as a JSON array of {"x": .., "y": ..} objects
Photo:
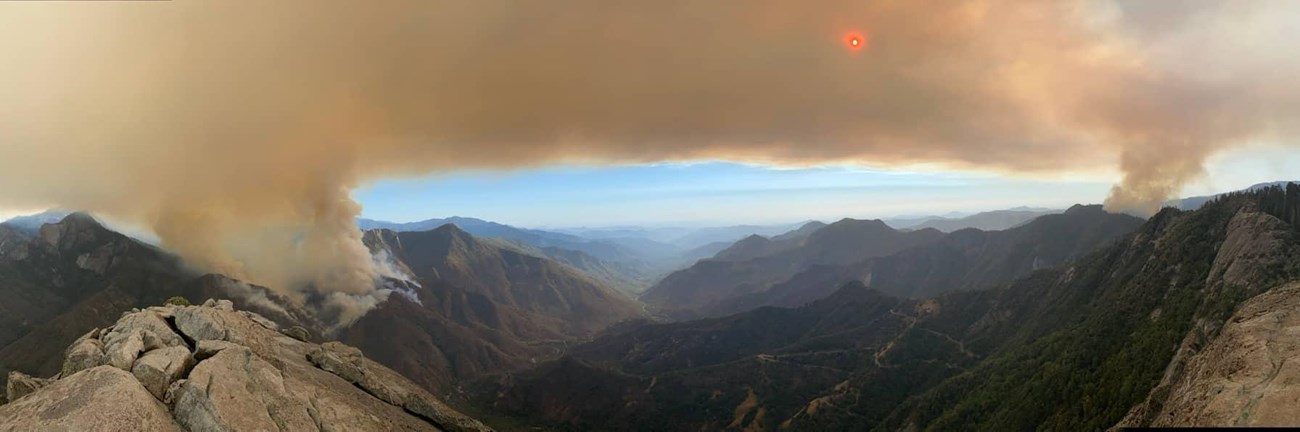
[{"x": 1243, "y": 377}]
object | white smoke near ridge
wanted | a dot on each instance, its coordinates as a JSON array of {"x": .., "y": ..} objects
[
  {"x": 253, "y": 296},
  {"x": 342, "y": 309},
  {"x": 393, "y": 278},
  {"x": 386, "y": 267}
]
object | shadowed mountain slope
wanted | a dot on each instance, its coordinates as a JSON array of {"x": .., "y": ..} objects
[
  {"x": 755, "y": 263},
  {"x": 76, "y": 275},
  {"x": 996, "y": 220},
  {"x": 630, "y": 264},
  {"x": 1071, "y": 348},
  {"x": 793, "y": 270},
  {"x": 964, "y": 260},
  {"x": 476, "y": 307}
]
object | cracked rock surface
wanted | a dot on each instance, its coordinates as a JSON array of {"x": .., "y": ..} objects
[{"x": 212, "y": 368}]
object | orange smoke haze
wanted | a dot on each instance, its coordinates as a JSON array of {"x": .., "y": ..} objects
[{"x": 236, "y": 131}]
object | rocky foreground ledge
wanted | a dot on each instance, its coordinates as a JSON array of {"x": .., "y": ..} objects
[{"x": 212, "y": 368}]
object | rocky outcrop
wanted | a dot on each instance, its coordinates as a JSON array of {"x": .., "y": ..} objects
[
  {"x": 348, "y": 363},
  {"x": 212, "y": 368},
  {"x": 1256, "y": 247},
  {"x": 21, "y": 384},
  {"x": 102, "y": 399},
  {"x": 1255, "y": 242},
  {"x": 1247, "y": 376},
  {"x": 76, "y": 275},
  {"x": 87, "y": 352},
  {"x": 158, "y": 369}
]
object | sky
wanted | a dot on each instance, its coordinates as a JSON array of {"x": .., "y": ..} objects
[
  {"x": 249, "y": 137},
  {"x": 724, "y": 193},
  {"x": 719, "y": 193},
  {"x": 706, "y": 193}
]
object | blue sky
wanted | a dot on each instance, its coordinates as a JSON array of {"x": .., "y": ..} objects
[
  {"x": 715, "y": 193},
  {"x": 706, "y": 193},
  {"x": 720, "y": 193},
  {"x": 711, "y": 193}
]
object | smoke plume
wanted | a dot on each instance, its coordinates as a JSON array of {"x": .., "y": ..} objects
[{"x": 237, "y": 131}]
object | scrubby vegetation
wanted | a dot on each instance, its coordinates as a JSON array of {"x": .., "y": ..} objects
[{"x": 179, "y": 301}]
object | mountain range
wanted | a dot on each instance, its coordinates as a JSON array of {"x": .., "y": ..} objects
[
  {"x": 628, "y": 263},
  {"x": 987, "y": 221},
  {"x": 1193, "y": 203},
  {"x": 810, "y": 263},
  {"x": 686, "y": 238},
  {"x": 760, "y": 262},
  {"x": 964, "y": 260},
  {"x": 476, "y": 306},
  {"x": 30, "y": 224},
  {"x": 1078, "y": 320},
  {"x": 489, "y": 304},
  {"x": 1144, "y": 330},
  {"x": 635, "y": 258}
]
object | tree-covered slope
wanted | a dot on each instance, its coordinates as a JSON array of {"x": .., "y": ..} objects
[{"x": 1072, "y": 348}]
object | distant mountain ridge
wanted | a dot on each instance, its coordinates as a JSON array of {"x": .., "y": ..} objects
[
  {"x": 1193, "y": 203},
  {"x": 759, "y": 263},
  {"x": 750, "y": 274},
  {"x": 1128, "y": 335},
  {"x": 756, "y": 246},
  {"x": 30, "y": 224},
  {"x": 505, "y": 276},
  {"x": 477, "y": 307},
  {"x": 986, "y": 221},
  {"x": 685, "y": 237},
  {"x": 477, "y": 227},
  {"x": 631, "y": 264},
  {"x": 630, "y": 258},
  {"x": 963, "y": 260}
]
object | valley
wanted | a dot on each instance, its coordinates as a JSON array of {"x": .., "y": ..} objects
[
  {"x": 860, "y": 326},
  {"x": 1076, "y": 347}
]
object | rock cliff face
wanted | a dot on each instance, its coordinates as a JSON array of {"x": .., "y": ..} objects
[
  {"x": 212, "y": 368},
  {"x": 10, "y": 240},
  {"x": 1245, "y": 377}
]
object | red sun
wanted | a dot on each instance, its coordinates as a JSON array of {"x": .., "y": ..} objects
[{"x": 855, "y": 41}]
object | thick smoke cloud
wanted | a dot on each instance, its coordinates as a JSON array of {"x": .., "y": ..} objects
[{"x": 236, "y": 131}]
